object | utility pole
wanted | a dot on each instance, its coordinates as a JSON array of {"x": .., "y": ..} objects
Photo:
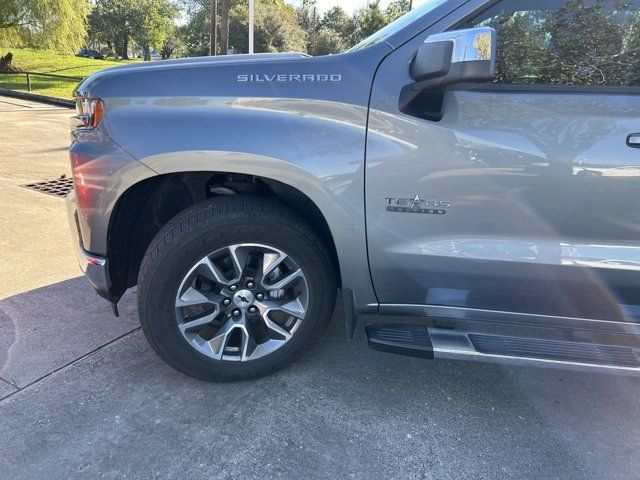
[
  {"x": 214, "y": 23},
  {"x": 313, "y": 31},
  {"x": 251, "y": 9}
]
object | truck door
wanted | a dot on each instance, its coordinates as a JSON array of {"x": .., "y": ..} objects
[{"x": 525, "y": 196}]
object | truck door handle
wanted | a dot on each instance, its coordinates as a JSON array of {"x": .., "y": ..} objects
[{"x": 633, "y": 140}]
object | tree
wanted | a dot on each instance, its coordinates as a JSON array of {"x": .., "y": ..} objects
[
  {"x": 328, "y": 41},
  {"x": 335, "y": 33},
  {"x": 224, "y": 26},
  {"x": 396, "y": 9},
  {"x": 55, "y": 24},
  {"x": 195, "y": 34},
  {"x": 309, "y": 21},
  {"x": 337, "y": 20},
  {"x": 152, "y": 20},
  {"x": 111, "y": 22},
  {"x": 213, "y": 30},
  {"x": 275, "y": 28},
  {"x": 218, "y": 16},
  {"x": 521, "y": 45},
  {"x": 583, "y": 43},
  {"x": 368, "y": 21},
  {"x": 117, "y": 22},
  {"x": 596, "y": 59},
  {"x": 172, "y": 46}
]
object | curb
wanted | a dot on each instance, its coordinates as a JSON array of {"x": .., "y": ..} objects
[{"x": 61, "y": 102}]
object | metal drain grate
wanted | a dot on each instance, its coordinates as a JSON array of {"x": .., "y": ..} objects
[{"x": 59, "y": 187}]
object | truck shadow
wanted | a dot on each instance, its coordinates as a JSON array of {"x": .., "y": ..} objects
[
  {"x": 45, "y": 329},
  {"x": 341, "y": 411}
]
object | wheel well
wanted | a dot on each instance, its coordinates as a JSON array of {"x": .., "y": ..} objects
[{"x": 148, "y": 205}]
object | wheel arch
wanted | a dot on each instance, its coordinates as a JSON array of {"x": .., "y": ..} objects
[{"x": 149, "y": 204}]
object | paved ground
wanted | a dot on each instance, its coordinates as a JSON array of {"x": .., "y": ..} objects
[{"x": 84, "y": 397}]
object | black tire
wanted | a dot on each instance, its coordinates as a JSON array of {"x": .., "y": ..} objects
[{"x": 201, "y": 230}]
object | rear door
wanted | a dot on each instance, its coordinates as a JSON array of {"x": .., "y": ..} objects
[{"x": 528, "y": 190}]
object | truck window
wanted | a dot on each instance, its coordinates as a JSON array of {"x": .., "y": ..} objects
[{"x": 565, "y": 42}]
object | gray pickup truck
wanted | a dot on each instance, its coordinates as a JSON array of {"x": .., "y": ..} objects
[{"x": 472, "y": 168}]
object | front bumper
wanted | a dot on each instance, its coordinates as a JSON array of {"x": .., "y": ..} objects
[{"x": 93, "y": 266}]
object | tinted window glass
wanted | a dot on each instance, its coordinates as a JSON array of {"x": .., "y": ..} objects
[{"x": 565, "y": 42}]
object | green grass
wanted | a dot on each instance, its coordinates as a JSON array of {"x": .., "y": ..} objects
[{"x": 46, "y": 61}]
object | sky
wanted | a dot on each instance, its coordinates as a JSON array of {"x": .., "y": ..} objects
[
  {"x": 348, "y": 5},
  {"x": 323, "y": 5}
]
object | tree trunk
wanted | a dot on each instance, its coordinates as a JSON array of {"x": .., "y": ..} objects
[
  {"x": 214, "y": 27},
  {"x": 224, "y": 27},
  {"x": 115, "y": 45},
  {"x": 125, "y": 48},
  {"x": 147, "y": 53}
]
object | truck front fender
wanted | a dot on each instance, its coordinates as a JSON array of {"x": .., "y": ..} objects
[
  {"x": 345, "y": 219},
  {"x": 313, "y": 146}
]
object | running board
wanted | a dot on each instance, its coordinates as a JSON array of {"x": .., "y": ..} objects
[
  {"x": 410, "y": 340},
  {"x": 561, "y": 351},
  {"x": 427, "y": 342}
]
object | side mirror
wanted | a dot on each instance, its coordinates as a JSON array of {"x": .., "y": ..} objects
[{"x": 460, "y": 56}]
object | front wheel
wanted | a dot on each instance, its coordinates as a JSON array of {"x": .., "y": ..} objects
[{"x": 234, "y": 288}]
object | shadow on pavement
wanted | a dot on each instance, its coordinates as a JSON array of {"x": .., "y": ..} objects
[
  {"x": 44, "y": 329},
  {"x": 342, "y": 412}
]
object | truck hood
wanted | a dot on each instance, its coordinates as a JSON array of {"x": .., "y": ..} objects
[
  {"x": 344, "y": 77},
  {"x": 209, "y": 60},
  {"x": 193, "y": 62}
]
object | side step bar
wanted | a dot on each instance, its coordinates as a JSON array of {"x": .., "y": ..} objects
[
  {"x": 427, "y": 342},
  {"x": 562, "y": 351}
]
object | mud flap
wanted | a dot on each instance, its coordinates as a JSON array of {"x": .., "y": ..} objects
[{"x": 350, "y": 316}]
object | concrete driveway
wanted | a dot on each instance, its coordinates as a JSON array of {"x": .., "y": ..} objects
[{"x": 83, "y": 396}]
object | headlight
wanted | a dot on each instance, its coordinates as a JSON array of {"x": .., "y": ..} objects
[{"x": 90, "y": 111}]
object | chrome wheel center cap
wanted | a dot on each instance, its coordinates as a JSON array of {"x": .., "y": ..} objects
[{"x": 243, "y": 298}]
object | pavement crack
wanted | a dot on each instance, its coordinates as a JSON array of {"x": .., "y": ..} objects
[
  {"x": 66, "y": 365},
  {"x": 10, "y": 382}
]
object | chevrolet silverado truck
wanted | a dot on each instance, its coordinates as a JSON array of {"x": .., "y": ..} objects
[{"x": 468, "y": 177}]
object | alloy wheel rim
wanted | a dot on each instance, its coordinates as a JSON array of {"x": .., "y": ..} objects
[{"x": 241, "y": 302}]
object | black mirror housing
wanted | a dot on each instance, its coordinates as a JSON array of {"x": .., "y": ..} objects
[{"x": 432, "y": 60}]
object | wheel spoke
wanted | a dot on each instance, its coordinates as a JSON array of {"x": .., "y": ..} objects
[
  {"x": 186, "y": 326},
  {"x": 283, "y": 282},
  {"x": 239, "y": 255},
  {"x": 219, "y": 342},
  {"x": 208, "y": 266},
  {"x": 192, "y": 296},
  {"x": 249, "y": 344},
  {"x": 292, "y": 307},
  {"x": 273, "y": 326},
  {"x": 270, "y": 261}
]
